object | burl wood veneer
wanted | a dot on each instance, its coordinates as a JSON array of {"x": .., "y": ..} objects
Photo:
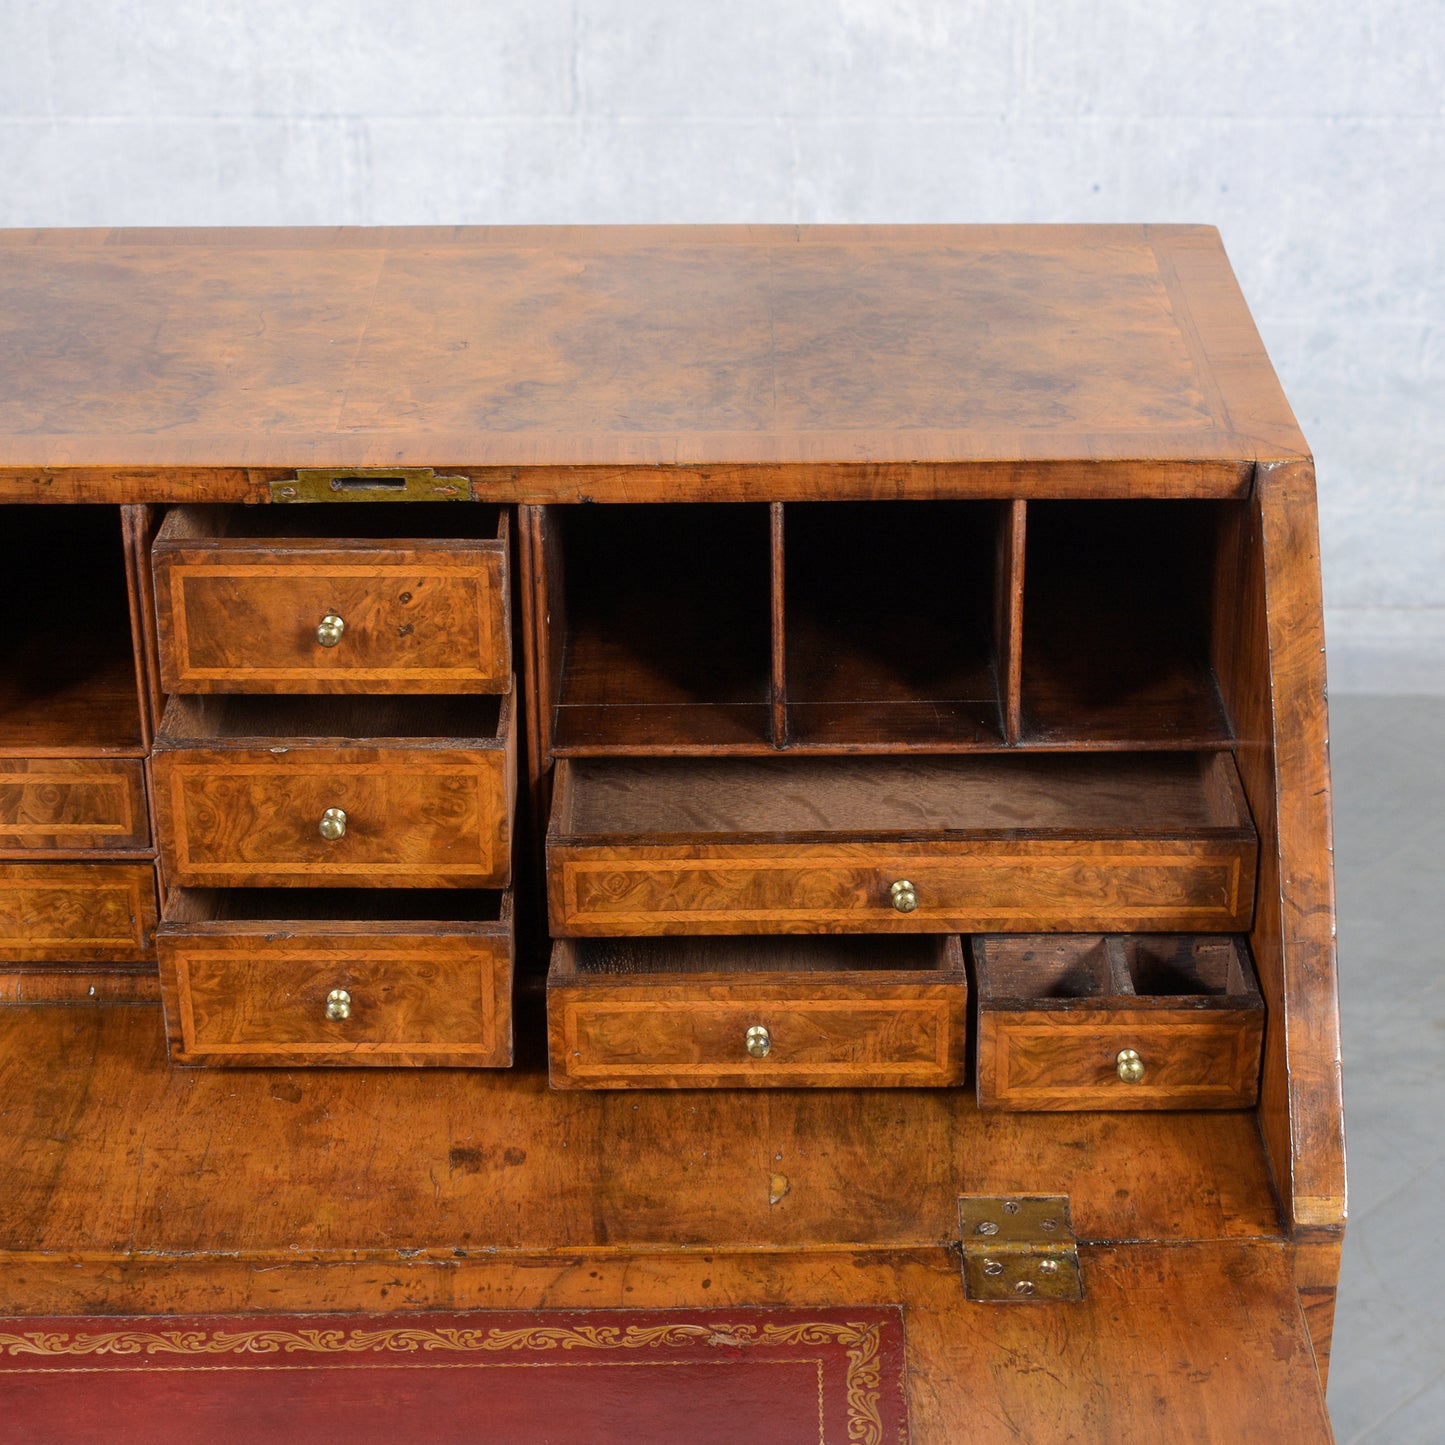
[{"x": 978, "y": 560}]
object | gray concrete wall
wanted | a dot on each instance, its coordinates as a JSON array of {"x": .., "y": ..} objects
[{"x": 1309, "y": 131}]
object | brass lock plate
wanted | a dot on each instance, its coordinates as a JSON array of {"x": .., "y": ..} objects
[
  {"x": 370, "y": 484},
  {"x": 1018, "y": 1248}
]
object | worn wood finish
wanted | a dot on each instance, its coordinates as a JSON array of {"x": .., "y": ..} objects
[
  {"x": 239, "y": 800},
  {"x": 1025, "y": 844},
  {"x": 77, "y": 912},
  {"x": 654, "y": 1013},
  {"x": 706, "y": 362},
  {"x": 240, "y": 594},
  {"x": 65, "y": 805},
  {"x": 248, "y": 981},
  {"x": 156, "y": 1163},
  {"x": 1271, "y": 670}
]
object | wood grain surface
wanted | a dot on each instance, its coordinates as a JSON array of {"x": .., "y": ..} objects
[
  {"x": 64, "y": 805},
  {"x": 663, "y": 1013},
  {"x": 77, "y": 912},
  {"x": 254, "y": 990},
  {"x": 237, "y": 609},
  {"x": 636, "y": 363},
  {"x": 234, "y": 809}
]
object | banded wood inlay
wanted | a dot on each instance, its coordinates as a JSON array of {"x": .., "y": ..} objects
[
  {"x": 77, "y": 912},
  {"x": 66, "y": 804}
]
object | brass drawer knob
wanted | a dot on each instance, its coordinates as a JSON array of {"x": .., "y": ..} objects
[
  {"x": 333, "y": 824},
  {"x": 338, "y": 1005},
  {"x": 328, "y": 633},
  {"x": 1129, "y": 1066},
  {"x": 759, "y": 1042},
  {"x": 904, "y": 896}
]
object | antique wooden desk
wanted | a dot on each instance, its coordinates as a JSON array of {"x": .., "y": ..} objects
[{"x": 754, "y": 735}]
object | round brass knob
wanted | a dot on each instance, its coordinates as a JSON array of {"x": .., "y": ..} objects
[
  {"x": 759, "y": 1042},
  {"x": 1129, "y": 1066},
  {"x": 333, "y": 824},
  {"x": 328, "y": 632},
  {"x": 904, "y": 896},
  {"x": 338, "y": 1004}
]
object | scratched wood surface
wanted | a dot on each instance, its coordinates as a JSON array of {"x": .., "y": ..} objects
[{"x": 635, "y": 363}]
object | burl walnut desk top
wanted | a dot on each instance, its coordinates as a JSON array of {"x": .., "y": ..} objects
[{"x": 1008, "y": 366}]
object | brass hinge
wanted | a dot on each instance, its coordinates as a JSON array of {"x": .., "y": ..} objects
[
  {"x": 370, "y": 484},
  {"x": 1019, "y": 1247}
]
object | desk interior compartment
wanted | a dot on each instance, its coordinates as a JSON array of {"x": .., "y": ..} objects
[
  {"x": 890, "y": 624},
  {"x": 1118, "y": 606},
  {"x": 288, "y": 978},
  {"x": 1146, "y": 1021},
  {"x": 661, "y": 631},
  {"x": 971, "y": 842},
  {"x": 339, "y": 597},
  {"x": 791, "y": 1011},
  {"x": 68, "y": 671}
]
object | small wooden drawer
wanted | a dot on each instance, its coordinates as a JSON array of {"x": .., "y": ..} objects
[
  {"x": 925, "y": 845},
  {"x": 67, "y": 805},
  {"x": 652, "y": 1013},
  {"x": 1090, "y": 1022},
  {"x": 262, "y": 977},
  {"x": 335, "y": 598},
  {"x": 77, "y": 912},
  {"x": 375, "y": 792}
]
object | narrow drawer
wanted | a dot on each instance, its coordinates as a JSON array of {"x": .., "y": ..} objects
[
  {"x": 1040, "y": 843},
  {"x": 252, "y": 792},
  {"x": 253, "y": 600},
  {"x": 65, "y": 805},
  {"x": 1158, "y": 1022},
  {"x": 264, "y": 977},
  {"x": 653, "y": 1013},
  {"x": 77, "y": 912}
]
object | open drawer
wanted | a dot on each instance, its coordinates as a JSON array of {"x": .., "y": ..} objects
[
  {"x": 973, "y": 843},
  {"x": 337, "y": 598},
  {"x": 1089, "y": 1022},
  {"x": 847, "y": 1011},
  {"x": 308, "y": 792},
  {"x": 292, "y": 977}
]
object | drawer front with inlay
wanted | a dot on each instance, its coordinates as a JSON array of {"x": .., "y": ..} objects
[
  {"x": 755, "y": 1013},
  {"x": 279, "y": 992},
  {"x": 939, "y": 888},
  {"x": 343, "y": 817},
  {"x": 1119, "y": 1060},
  {"x": 60, "y": 805},
  {"x": 284, "y": 615},
  {"x": 77, "y": 912}
]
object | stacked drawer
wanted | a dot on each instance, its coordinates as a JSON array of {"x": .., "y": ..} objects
[
  {"x": 803, "y": 920},
  {"x": 334, "y": 784}
]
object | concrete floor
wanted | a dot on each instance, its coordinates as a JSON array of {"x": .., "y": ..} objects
[{"x": 1387, "y": 1376}]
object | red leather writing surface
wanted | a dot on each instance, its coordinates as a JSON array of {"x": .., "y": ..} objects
[{"x": 563, "y": 1378}]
